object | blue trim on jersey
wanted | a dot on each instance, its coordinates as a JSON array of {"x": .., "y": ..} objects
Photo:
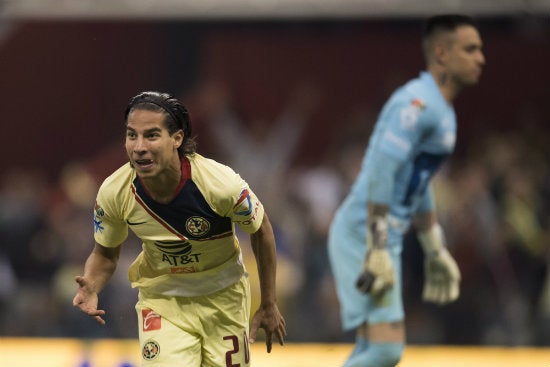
[{"x": 424, "y": 167}]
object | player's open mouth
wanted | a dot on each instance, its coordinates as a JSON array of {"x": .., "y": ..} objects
[{"x": 144, "y": 163}]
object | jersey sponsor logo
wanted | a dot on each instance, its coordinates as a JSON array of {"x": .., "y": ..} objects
[
  {"x": 98, "y": 225},
  {"x": 418, "y": 103},
  {"x": 151, "y": 320},
  {"x": 252, "y": 218},
  {"x": 182, "y": 269},
  {"x": 409, "y": 115},
  {"x": 98, "y": 210},
  {"x": 177, "y": 253},
  {"x": 98, "y": 213},
  {"x": 150, "y": 350},
  {"x": 244, "y": 204},
  {"x": 397, "y": 141},
  {"x": 197, "y": 226}
]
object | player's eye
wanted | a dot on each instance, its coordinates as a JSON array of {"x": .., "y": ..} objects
[
  {"x": 472, "y": 49},
  {"x": 154, "y": 135}
]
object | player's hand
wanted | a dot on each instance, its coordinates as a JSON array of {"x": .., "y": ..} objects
[
  {"x": 86, "y": 300},
  {"x": 377, "y": 275},
  {"x": 270, "y": 319},
  {"x": 441, "y": 278}
]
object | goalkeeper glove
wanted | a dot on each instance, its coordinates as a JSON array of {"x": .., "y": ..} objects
[
  {"x": 377, "y": 275},
  {"x": 441, "y": 273}
]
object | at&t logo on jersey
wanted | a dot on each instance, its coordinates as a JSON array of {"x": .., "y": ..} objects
[{"x": 178, "y": 254}]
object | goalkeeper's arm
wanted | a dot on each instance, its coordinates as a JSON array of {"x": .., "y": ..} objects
[{"x": 377, "y": 274}]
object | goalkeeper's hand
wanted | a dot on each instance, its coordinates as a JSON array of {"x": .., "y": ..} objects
[
  {"x": 377, "y": 274},
  {"x": 441, "y": 278},
  {"x": 441, "y": 273}
]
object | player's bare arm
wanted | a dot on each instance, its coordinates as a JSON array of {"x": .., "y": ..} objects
[
  {"x": 267, "y": 316},
  {"x": 99, "y": 268}
]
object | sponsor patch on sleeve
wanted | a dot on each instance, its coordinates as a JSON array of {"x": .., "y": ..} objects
[
  {"x": 98, "y": 214},
  {"x": 244, "y": 204}
]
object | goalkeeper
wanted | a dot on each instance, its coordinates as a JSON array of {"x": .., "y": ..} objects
[{"x": 414, "y": 134}]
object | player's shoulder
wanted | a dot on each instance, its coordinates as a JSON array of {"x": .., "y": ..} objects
[
  {"x": 424, "y": 80},
  {"x": 201, "y": 165},
  {"x": 213, "y": 176},
  {"x": 123, "y": 176},
  {"x": 424, "y": 89},
  {"x": 219, "y": 183},
  {"x": 423, "y": 95}
]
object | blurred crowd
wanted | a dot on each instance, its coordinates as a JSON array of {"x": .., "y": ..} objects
[{"x": 493, "y": 201}]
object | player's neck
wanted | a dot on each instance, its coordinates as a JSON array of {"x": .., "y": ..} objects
[
  {"x": 163, "y": 187},
  {"x": 448, "y": 88}
]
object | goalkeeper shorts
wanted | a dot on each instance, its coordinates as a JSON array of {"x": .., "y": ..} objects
[{"x": 347, "y": 250}]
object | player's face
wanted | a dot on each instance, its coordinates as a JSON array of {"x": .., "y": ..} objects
[
  {"x": 465, "y": 58},
  {"x": 151, "y": 149}
]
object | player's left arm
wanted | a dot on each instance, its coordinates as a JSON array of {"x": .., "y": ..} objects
[
  {"x": 268, "y": 316},
  {"x": 441, "y": 272}
]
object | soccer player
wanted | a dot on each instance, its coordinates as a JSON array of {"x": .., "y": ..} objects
[
  {"x": 415, "y": 132},
  {"x": 194, "y": 297}
]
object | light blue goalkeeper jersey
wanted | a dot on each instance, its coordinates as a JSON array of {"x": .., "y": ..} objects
[{"x": 414, "y": 134}]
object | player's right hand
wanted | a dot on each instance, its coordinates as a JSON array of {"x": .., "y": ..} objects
[
  {"x": 269, "y": 318},
  {"x": 377, "y": 275},
  {"x": 87, "y": 300}
]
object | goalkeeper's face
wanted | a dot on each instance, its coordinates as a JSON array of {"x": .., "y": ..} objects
[
  {"x": 150, "y": 147},
  {"x": 465, "y": 59}
]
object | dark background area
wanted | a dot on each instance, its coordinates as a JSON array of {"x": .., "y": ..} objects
[{"x": 65, "y": 85}]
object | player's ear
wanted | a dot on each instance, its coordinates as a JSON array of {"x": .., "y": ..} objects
[
  {"x": 440, "y": 53},
  {"x": 178, "y": 138}
]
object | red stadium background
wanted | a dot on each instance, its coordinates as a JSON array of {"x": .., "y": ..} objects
[{"x": 65, "y": 84}]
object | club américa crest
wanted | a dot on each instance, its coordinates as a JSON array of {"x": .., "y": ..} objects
[
  {"x": 197, "y": 226},
  {"x": 150, "y": 350}
]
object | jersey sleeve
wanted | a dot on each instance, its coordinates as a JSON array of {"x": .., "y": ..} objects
[
  {"x": 110, "y": 229},
  {"x": 381, "y": 177},
  {"x": 402, "y": 123},
  {"x": 227, "y": 193},
  {"x": 248, "y": 211},
  {"x": 427, "y": 201}
]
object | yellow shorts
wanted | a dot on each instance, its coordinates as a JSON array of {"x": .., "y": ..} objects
[{"x": 203, "y": 331}]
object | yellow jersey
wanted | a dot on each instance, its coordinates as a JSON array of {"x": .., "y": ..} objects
[{"x": 189, "y": 245}]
